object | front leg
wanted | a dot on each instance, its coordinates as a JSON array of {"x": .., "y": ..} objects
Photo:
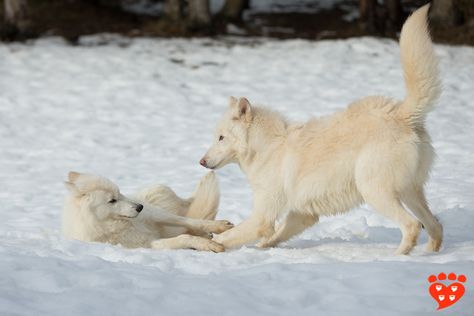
[
  {"x": 294, "y": 224},
  {"x": 164, "y": 218},
  {"x": 259, "y": 224}
]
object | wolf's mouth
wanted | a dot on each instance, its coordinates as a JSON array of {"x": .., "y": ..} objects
[{"x": 217, "y": 165}]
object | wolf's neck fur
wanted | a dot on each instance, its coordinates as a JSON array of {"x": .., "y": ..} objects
[{"x": 267, "y": 131}]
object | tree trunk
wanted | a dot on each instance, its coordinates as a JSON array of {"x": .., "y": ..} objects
[
  {"x": 111, "y": 3},
  {"x": 15, "y": 11},
  {"x": 393, "y": 19},
  {"x": 368, "y": 15},
  {"x": 174, "y": 9},
  {"x": 199, "y": 13},
  {"x": 394, "y": 12},
  {"x": 233, "y": 9},
  {"x": 443, "y": 13}
]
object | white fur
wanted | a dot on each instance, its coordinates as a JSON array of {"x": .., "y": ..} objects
[
  {"x": 95, "y": 210},
  {"x": 376, "y": 151}
]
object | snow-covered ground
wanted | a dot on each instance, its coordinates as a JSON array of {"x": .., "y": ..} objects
[{"x": 143, "y": 111}]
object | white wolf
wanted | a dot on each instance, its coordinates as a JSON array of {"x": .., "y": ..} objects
[
  {"x": 376, "y": 151},
  {"x": 95, "y": 210}
]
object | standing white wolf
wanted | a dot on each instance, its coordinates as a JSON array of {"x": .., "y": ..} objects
[
  {"x": 376, "y": 151},
  {"x": 95, "y": 210}
]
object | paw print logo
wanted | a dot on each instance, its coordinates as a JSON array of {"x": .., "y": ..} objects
[{"x": 446, "y": 295}]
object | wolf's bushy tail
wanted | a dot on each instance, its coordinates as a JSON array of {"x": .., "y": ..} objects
[
  {"x": 420, "y": 67},
  {"x": 205, "y": 200}
]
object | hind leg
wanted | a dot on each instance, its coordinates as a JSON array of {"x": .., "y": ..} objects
[
  {"x": 294, "y": 224},
  {"x": 415, "y": 200},
  {"x": 383, "y": 170},
  {"x": 205, "y": 200},
  {"x": 389, "y": 205}
]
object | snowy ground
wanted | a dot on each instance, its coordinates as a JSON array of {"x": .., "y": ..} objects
[{"x": 143, "y": 111}]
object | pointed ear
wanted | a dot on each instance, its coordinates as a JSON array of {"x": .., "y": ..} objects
[
  {"x": 73, "y": 176},
  {"x": 232, "y": 101},
  {"x": 71, "y": 187},
  {"x": 243, "y": 110}
]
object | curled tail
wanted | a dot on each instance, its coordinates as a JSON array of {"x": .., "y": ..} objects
[
  {"x": 205, "y": 200},
  {"x": 420, "y": 67}
]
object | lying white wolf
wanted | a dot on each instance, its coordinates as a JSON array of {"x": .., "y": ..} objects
[
  {"x": 95, "y": 210},
  {"x": 376, "y": 151}
]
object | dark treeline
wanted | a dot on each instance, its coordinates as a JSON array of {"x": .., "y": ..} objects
[{"x": 452, "y": 20}]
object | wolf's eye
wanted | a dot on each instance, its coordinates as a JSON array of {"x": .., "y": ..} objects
[
  {"x": 221, "y": 138},
  {"x": 112, "y": 201}
]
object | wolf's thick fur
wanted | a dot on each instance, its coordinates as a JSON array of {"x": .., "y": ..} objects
[
  {"x": 95, "y": 210},
  {"x": 376, "y": 151}
]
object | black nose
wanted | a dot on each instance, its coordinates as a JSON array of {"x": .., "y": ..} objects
[
  {"x": 139, "y": 208},
  {"x": 203, "y": 162}
]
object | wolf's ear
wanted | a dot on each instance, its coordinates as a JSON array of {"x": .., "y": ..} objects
[
  {"x": 243, "y": 110},
  {"x": 73, "y": 176},
  {"x": 71, "y": 187},
  {"x": 232, "y": 101}
]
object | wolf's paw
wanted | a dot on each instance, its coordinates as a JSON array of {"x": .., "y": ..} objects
[
  {"x": 215, "y": 247},
  {"x": 266, "y": 243},
  {"x": 434, "y": 245},
  {"x": 220, "y": 226},
  {"x": 200, "y": 233}
]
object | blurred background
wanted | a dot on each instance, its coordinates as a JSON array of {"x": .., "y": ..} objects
[{"x": 452, "y": 20}]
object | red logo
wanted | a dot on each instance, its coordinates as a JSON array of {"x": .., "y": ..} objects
[{"x": 446, "y": 295}]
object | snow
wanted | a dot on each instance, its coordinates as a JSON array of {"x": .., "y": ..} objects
[{"x": 142, "y": 111}]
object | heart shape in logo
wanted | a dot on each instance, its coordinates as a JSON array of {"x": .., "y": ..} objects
[{"x": 446, "y": 295}]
